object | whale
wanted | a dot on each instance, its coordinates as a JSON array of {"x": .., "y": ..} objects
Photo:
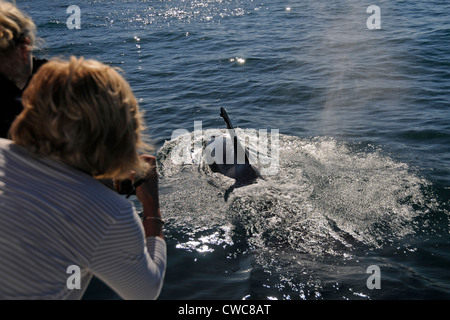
[{"x": 228, "y": 157}]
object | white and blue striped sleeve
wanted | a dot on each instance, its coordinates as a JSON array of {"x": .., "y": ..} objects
[{"x": 131, "y": 265}]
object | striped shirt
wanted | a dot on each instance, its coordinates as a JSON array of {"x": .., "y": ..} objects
[{"x": 53, "y": 216}]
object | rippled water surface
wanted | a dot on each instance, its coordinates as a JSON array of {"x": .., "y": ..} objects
[{"x": 364, "y": 148}]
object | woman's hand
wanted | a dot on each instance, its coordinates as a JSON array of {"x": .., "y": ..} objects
[
  {"x": 147, "y": 191},
  {"x": 147, "y": 194}
]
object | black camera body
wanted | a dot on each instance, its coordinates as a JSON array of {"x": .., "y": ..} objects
[
  {"x": 124, "y": 187},
  {"x": 127, "y": 187}
]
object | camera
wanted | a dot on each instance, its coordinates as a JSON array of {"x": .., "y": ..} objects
[{"x": 126, "y": 186}]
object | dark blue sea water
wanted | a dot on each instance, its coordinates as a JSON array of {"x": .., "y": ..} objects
[{"x": 364, "y": 146}]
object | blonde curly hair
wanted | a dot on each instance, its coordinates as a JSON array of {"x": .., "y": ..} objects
[
  {"x": 15, "y": 27},
  {"x": 83, "y": 113}
]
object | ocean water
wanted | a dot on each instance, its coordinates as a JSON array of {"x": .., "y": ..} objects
[{"x": 363, "y": 167}]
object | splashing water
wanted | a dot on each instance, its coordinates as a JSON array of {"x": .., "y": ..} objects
[{"x": 328, "y": 197}]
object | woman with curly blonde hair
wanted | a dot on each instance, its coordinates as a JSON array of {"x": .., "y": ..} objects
[
  {"x": 80, "y": 122},
  {"x": 17, "y": 64}
]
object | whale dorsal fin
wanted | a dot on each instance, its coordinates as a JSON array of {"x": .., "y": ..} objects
[{"x": 237, "y": 146}]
